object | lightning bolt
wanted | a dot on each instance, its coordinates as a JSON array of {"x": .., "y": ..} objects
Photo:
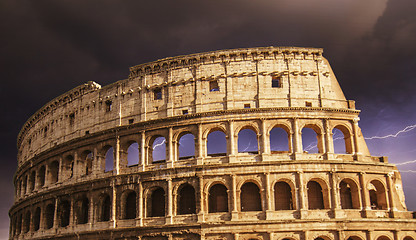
[
  {"x": 249, "y": 143},
  {"x": 405, "y": 163},
  {"x": 159, "y": 144},
  {"x": 404, "y": 130}
]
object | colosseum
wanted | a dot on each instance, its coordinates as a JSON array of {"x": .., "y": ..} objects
[{"x": 207, "y": 146}]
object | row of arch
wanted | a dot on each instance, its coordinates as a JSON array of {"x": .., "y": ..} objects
[
  {"x": 218, "y": 200},
  {"x": 157, "y": 150}
]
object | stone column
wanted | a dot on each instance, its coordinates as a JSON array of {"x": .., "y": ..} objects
[
  {"x": 268, "y": 196},
  {"x": 199, "y": 155},
  {"x": 171, "y": 156},
  {"x": 169, "y": 218},
  {"x": 297, "y": 138},
  {"x": 336, "y": 206},
  {"x": 265, "y": 145},
  {"x": 117, "y": 156},
  {"x": 329, "y": 142},
  {"x": 234, "y": 213},
  {"x": 140, "y": 204},
  {"x": 143, "y": 152},
  {"x": 301, "y": 194},
  {"x": 55, "y": 215},
  {"x": 75, "y": 170},
  {"x": 114, "y": 203},
  {"x": 201, "y": 214},
  {"x": 365, "y": 198},
  {"x": 231, "y": 142},
  {"x": 60, "y": 170},
  {"x": 356, "y": 144}
]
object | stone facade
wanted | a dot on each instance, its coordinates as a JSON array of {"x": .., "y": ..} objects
[{"x": 87, "y": 168}]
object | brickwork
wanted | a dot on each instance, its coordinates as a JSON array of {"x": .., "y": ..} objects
[{"x": 87, "y": 166}]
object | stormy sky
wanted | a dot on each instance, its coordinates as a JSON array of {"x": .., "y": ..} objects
[{"x": 50, "y": 47}]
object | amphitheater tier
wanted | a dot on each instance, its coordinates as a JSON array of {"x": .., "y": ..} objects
[{"x": 90, "y": 164}]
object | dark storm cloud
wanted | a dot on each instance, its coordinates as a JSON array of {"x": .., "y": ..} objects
[{"x": 49, "y": 47}]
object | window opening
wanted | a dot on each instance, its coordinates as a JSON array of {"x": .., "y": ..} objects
[
  {"x": 247, "y": 105},
  {"x": 279, "y": 140},
  {"x": 108, "y": 105},
  {"x": 49, "y": 215},
  {"x": 308, "y": 104},
  {"x": 247, "y": 141},
  {"x": 276, "y": 82},
  {"x": 184, "y": 112},
  {"x": 186, "y": 200},
  {"x": 315, "y": 195},
  {"x": 133, "y": 154},
  {"x": 213, "y": 86},
  {"x": 283, "y": 196},
  {"x": 216, "y": 144},
  {"x": 218, "y": 199},
  {"x": 109, "y": 160},
  {"x": 186, "y": 146},
  {"x": 130, "y": 206},
  {"x": 157, "y": 94},
  {"x": 250, "y": 197},
  {"x": 159, "y": 150},
  {"x": 157, "y": 203}
]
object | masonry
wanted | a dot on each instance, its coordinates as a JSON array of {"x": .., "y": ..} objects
[{"x": 89, "y": 168}]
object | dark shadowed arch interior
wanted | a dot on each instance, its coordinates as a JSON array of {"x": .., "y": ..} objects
[
  {"x": 26, "y": 222},
  {"x": 283, "y": 196},
  {"x": 41, "y": 176},
  {"x": 279, "y": 141},
  {"x": 64, "y": 213},
  {"x": 247, "y": 141},
  {"x": 105, "y": 208},
  {"x": 216, "y": 144},
  {"x": 32, "y": 181},
  {"x": 218, "y": 199},
  {"x": 54, "y": 172},
  {"x": 383, "y": 238},
  {"x": 250, "y": 197},
  {"x": 36, "y": 219},
  {"x": 157, "y": 203},
  {"x": 130, "y": 206},
  {"x": 109, "y": 159},
  {"x": 82, "y": 208},
  {"x": 315, "y": 195},
  {"x": 49, "y": 215},
  {"x": 377, "y": 193},
  {"x": 348, "y": 191},
  {"x": 186, "y": 200}
]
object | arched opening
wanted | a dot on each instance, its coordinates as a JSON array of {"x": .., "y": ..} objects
[
  {"x": 354, "y": 238},
  {"x": 41, "y": 176},
  {"x": 133, "y": 154},
  {"x": 279, "y": 140},
  {"x": 348, "y": 192},
  {"x": 383, "y": 238},
  {"x": 82, "y": 209},
  {"x": 156, "y": 205},
  {"x": 158, "y": 151},
  {"x": 84, "y": 165},
  {"x": 32, "y": 181},
  {"x": 378, "y": 200},
  {"x": 283, "y": 196},
  {"x": 247, "y": 141},
  {"x": 250, "y": 198},
  {"x": 49, "y": 216},
  {"x": 24, "y": 185},
  {"x": 186, "y": 146},
  {"x": 216, "y": 144},
  {"x": 218, "y": 199},
  {"x": 36, "y": 219},
  {"x": 53, "y": 172},
  {"x": 408, "y": 238},
  {"x": 68, "y": 166},
  {"x": 130, "y": 206},
  {"x": 104, "y": 208},
  {"x": 109, "y": 160},
  {"x": 64, "y": 213},
  {"x": 186, "y": 200},
  {"x": 341, "y": 138},
  {"x": 315, "y": 195},
  {"x": 311, "y": 143},
  {"x": 26, "y": 225}
]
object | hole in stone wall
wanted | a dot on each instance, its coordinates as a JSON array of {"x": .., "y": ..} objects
[
  {"x": 218, "y": 199},
  {"x": 216, "y": 144},
  {"x": 133, "y": 155},
  {"x": 186, "y": 146},
  {"x": 279, "y": 141}
]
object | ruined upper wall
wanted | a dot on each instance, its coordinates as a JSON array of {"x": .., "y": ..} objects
[{"x": 242, "y": 78}]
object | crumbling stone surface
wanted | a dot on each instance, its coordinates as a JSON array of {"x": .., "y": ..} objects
[{"x": 88, "y": 168}]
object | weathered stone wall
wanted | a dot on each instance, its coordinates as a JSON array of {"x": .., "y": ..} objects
[{"x": 74, "y": 178}]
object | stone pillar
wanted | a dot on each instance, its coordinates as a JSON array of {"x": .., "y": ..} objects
[
  {"x": 329, "y": 142},
  {"x": 143, "y": 153},
  {"x": 201, "y": 214},
  {"x": 335, "y": 197},
  {"x": 55, "y": 215},
  {"x": 356, "y": 144},
  {"x": 75, "y": 170},
  {"x": 234, "y": 213},
  {"x": 268, "y": 198},
  {"x": 140, "y": 204},
  {"x": 117, "y": 156},
  {"x": 297, "y": 138},
  {"x": 199, "y": 155},
  {"x": 71, "y": 212},
  {"x": 365, "y": 198},
  {"x": 265, "y": 145},
  {"x": 231, "y": 142},
  {"x": 114, "y": 203},
  {"x": 171, "y": 156},
  {"x": 60, "y": 169},
  {"x": 169, "y": 218},
  {"x": 301, "y": 194}
]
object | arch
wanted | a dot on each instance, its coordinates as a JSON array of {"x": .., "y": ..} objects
[
  {"x": 283, "y": 196},
  {"x": 82, "y": 210},
  {"x": 315, "y": 195},
  {"x": 32, "y": 181},
  {"x": 383, "y": 238},
  {"x": 279, "y": 140},
  {"x": 68, "y": 166},
  {"x": 36, "y": 219},
  {"x": 64, "y": 213},
  {"x": 85, "y": 163},
  {"x": 343, "y": 134},
  {"x": 250, "y": 198},
  {"x": 311, "y": 141},
  {"x": 377, "y": 192},
  {"x": 24, "y": 185},
  {"x": 26, "y": 222},
  {"x": 157, "y": 152},
  {"x": 109, "y": 158},
  {"x": 133, "y": 154},
  {"x": 104, "y": 208},
  {"x": 129, "y": 208},
  {"x": 408, "y": 238},
  {"x": 186, "y": 199},
  {"x": 41, "y": 176},
  {"x": 218, "y": 198},
  {"x": 247, "y": 140},
  {"x": 53, "y": 172},
  {"x": 186, "y": 145},
  {"x": 49, "y": 215},
  {"x": 19, "y": 224},
  {"x": 322, "y": 238},
  {"x": 349, "y": 194},
  {"x": 216, "y": 143},
  {"x": 354, "y": 238},
  {"x": 156, "y": 203}
]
